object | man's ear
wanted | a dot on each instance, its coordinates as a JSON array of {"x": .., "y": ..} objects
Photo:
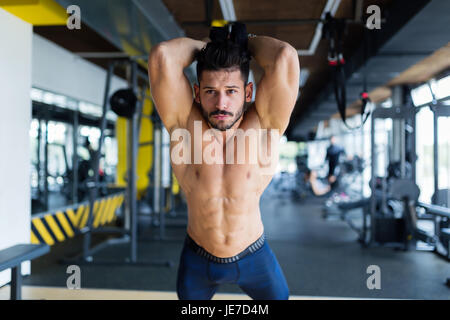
[
  {"x": 197, "y": 93},
  {"x": 249, "y": 92}
]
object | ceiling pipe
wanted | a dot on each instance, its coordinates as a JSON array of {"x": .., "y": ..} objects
[{"x": 331, "y": 6}]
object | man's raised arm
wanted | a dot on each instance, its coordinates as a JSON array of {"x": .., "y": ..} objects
[
  {"x": 170, "y": 88},
  {"x": 278, "y": 89}
]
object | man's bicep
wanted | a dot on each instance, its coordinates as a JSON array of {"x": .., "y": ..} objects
[
  {"x": 278, "y": 89},
  {"x": 275, "y": 100}
]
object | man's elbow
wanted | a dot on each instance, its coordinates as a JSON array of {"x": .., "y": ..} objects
[
  {"x": 288, "y": 53},
  {"x": 289, "y": 62},
  {"x": 157, "y": 60},
  {"x": 157, "y": 54}
]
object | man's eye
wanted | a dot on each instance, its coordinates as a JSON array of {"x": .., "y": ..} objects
[
  {"x": 209, "y": 91},
  {"x": 232, "y": 91}
]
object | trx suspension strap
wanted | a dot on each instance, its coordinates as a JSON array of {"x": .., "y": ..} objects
[
  {"x": 333, "y": 31},
  {"x": 364, "y": 95}
]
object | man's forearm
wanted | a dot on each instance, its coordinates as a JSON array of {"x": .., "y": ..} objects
[
  {"x": 267, "y": 50},
  {"x": 179, "y": 51}
]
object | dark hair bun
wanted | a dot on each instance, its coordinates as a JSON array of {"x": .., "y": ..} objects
[
  {"x": 218, "y": 34},
  {"x": 237, "y": 35},
  {"x": 227, "y": 49}
]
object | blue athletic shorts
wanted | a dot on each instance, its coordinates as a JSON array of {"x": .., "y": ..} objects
[{"x": 255, "y": 270}]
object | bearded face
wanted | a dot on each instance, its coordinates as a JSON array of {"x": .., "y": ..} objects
[{"x": 222, "y": 96}]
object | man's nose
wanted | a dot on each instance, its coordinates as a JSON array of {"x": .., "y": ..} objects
[{"x": 221, "y": 102}]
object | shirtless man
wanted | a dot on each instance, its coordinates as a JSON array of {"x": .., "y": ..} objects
[{"x": 225, "y": 236}]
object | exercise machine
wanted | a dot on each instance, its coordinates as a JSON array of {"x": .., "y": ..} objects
[{"x": 124, "y": 103}]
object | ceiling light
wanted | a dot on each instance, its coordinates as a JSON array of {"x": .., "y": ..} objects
[
  {"x": 441, "y": 87},
  {"x": 421, "y": 95}
]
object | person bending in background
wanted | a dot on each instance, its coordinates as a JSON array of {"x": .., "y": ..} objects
[{"x": 314, "y": 185}]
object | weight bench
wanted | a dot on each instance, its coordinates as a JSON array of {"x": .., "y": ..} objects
[
  {"x": 12, "y": 257},
  {"x": 344, "y": 207},
  {"x": 349, "y": 205}
]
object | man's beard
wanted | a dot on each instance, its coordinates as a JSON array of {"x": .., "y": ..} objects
[{"x": 223, "y": 127}]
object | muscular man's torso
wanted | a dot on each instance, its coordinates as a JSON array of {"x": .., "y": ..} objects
[{"x": 223, "y": 199}]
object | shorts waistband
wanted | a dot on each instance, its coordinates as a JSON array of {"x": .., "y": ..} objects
[{"x": 202, "y": 252}]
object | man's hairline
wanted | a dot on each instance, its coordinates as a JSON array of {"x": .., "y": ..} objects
[{"x": 229, "y": 69}]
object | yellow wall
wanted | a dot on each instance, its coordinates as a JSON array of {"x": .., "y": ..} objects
[
  {"x": 36, "y": 12},
  {"x": 121, "y": 135},
  {"x": 144, "y": 158},
  {"x": 145, "y": 153}
]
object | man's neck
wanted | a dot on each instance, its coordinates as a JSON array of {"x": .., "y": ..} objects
[{"x": 224, "y": 136}]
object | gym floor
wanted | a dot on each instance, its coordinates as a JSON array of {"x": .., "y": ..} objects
[{"x": 320, "y": 259}]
